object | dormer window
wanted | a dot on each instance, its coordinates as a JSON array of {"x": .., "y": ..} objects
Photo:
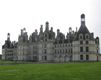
[
  {"x": 86, "y": 36},
  {"x": 80, "y": 36}
]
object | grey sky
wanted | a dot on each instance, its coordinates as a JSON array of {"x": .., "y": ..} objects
[{"x": 62, "y": 14}]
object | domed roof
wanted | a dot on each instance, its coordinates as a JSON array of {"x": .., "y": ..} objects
[{"x": 82, "y": 15}]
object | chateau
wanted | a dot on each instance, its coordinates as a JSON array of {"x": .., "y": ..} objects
[{"x": 47, "y": 46}]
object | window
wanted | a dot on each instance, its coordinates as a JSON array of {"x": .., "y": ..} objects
[
  {"x": 81, "y": 57},
  {"x": 45, "y": 51},
  {"x": 80, "y": 36},
  {"x": 87, "y": 42},
  {"x": 87, "y": 36},
  {"x": 87, "y": 57},
  {"x": 97, "y": 51},
  {"x": 81, "y": 49},
  {"x": 87, "y": 49},
  {"x": 81, "y": 42},
  {"x": 45, "y": 57},
  {"x": 71, "y": 51},
  {"x": 35, "y": 58},
  {"x": 45, "y": 39},
  {"x": 45, "y": 35}
]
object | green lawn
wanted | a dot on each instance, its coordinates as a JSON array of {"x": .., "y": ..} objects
[{"x": 55, "y": 71}]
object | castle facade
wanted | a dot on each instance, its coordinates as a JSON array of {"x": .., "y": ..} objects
[{"x": 47, "y": 46}]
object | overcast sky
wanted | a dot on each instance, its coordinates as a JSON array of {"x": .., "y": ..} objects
[{"x": 61, "y": 14}]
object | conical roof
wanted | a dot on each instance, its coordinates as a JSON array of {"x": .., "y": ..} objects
[{"x": 83, "y": 29}]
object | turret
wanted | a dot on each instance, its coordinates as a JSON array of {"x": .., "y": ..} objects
[{"x": 83, "y": 19}]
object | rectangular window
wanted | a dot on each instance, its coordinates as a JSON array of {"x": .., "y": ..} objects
[
  {"x": 45, "y": 51},
  {"x": 87, "y": 49},
  {"x": 87, "y": 57},
  {"x": 71, "y": 51},
  {"x": 81, "y": 49},
  {"x": 45, "y": 57},
  {"x": 87, "y": 42},
  {"x": 81, "y": 42},
  {"x": 97, "y": 51},
  {"x": 81, "y": 57}
]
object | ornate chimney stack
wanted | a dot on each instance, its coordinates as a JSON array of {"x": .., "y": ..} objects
[
  {"x": 52, "y": 29},
  {"x": 41, "y": 29},
  {"x": 47, "y": 26},
  {"x": 58, "y": 31},
  {"x": 8, "y": 36}
]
